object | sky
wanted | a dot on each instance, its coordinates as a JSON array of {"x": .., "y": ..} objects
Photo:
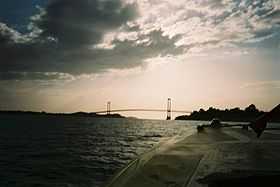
[{"x": 69, "y": 55}]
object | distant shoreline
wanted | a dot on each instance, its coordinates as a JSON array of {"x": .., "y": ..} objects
[
  {"x": 234, "y": 115},
  {"x": 75, "y": 114}
]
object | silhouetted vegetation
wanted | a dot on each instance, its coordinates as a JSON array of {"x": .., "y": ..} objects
[
  {"x": 76, "y": 114},
  {"x": 235, "y": 114}
]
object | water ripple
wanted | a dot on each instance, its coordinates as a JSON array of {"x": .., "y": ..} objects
[{"x": 59, "y": 151}]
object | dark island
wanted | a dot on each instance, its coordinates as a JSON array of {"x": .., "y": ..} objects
[
  {"x": 76, "y": 114},
  {"x": 235, "y": 114}
]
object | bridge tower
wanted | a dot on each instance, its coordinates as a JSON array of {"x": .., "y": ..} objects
[
  {"x": 168, "y": 109},
  {"x": 108, "y": 108}
]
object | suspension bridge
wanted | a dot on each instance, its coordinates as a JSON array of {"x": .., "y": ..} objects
[{"x": 168, "y": 110}]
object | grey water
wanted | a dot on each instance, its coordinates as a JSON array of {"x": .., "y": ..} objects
[{"x": 50, "y": 151}]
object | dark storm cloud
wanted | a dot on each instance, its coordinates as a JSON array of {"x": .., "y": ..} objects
[
  {"x": 23, "y": 76},
  {"x": 67, "y": 30},
  {"x": 64, "y": 27},
  {"x": 78, "y": 23},
  {"x": 125, "y": 54},
  {"x": 20, "y": 53}
]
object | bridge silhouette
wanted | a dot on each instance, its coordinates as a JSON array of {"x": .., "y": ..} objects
[{"x": 168, "y": 110}]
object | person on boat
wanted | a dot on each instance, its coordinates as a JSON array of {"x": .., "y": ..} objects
[{"x": 216, "y": 123}]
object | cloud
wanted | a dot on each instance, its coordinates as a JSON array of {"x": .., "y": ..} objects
[
  {"x": 125, "y": 54},
  {"x": 91, "y": 36},
  {"x": 45, "y": 76},
  {"x": 8, "y": 35},
  {"x": 263, "y": 84},
  {"x": 202, "y": 22},
  {"x": 62, "y": 37},
  {"x": 80, "y": 23},
  {"x": 64, "y": 28}
]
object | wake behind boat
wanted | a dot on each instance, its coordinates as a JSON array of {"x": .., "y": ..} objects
[{"x": 216, "y": 156}]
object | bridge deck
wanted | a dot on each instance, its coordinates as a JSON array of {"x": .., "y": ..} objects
[{"x": 142, "y": 110}]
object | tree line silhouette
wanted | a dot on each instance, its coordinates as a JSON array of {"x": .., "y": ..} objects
[
  {"x": 235, "y": 114},
  {"x": 76, "y": 114}
]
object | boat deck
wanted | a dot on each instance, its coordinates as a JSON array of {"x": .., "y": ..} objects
[{"x": 214, "y": 157}]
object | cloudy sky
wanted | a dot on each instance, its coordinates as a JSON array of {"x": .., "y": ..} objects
[{"x": 69, "y": 55}]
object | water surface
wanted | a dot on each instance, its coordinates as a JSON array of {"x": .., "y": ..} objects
[{"x": 71, "y": 151}]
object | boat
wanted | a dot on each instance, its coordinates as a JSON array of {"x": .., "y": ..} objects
[{"x": 213, "y": 156}]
